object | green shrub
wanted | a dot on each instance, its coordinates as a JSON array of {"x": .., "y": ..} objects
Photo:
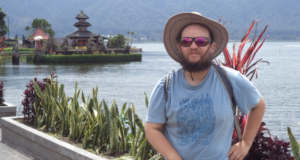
[
  {"x": 117, "y": 41},
  {"x": 29, "y": 58},
  {"x": 94, "y": 123},
  {"x": 20, "y": 49},
  {"x": 27, "y": 53},
  {"x": 102, "y": 58}
]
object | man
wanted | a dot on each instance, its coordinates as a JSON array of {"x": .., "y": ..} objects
[{"x": 196, "y": 118}]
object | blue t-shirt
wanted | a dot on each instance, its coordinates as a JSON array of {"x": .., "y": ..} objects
[{"x": 199, "y": 119}]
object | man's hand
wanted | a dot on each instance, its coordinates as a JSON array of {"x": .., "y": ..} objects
[{"x": 239, "y": 151}]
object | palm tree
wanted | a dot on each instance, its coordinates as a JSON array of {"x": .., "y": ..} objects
[
  {"x": 128, "y": 37},
  {"x": 132, "y": 33}
]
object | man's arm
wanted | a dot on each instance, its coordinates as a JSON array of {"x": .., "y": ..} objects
[
  {"x": 160, "y": 142},
  {"x": 255, "y": 116}
]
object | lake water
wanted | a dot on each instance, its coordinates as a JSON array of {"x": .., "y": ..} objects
[{"x": 127, "y": 82}]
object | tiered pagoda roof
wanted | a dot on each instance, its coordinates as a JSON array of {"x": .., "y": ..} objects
[
  {"x": 82, "y": 34},
  {"x": 82, "y": 24},
  {"x": 82, "y": 28},
  {"x": 82, "y": 16}
]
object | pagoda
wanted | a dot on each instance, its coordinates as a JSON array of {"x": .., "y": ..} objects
[{"x": 80, "y": 38}]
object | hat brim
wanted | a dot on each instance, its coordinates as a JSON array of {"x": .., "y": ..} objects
[{"x": 175, "y": 24}]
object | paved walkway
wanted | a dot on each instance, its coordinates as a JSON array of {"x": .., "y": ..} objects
[{"x": 10, "y": 152}]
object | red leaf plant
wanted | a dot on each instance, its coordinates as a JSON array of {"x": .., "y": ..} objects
[
  {"x": 1, "y": 48},
  {"x": 29, "y": 98},
  {"x": 265, "y": 146},
  {"x": 243, "y": 65},
  {"x": 1, "y": 93},
  {"x": 1, "y": 83}
]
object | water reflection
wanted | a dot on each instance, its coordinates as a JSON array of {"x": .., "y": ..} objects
[{"x": 16, "y": 69}]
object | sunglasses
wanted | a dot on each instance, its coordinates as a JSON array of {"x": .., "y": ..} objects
[{"x": 199, "y": 41}]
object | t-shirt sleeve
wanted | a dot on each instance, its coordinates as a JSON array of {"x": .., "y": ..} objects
[
  {"x": 245, "y": 94},
  {"x": 156, "y": 109}
]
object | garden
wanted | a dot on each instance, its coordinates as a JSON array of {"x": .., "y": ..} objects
[{"x": 110, "y": 130}]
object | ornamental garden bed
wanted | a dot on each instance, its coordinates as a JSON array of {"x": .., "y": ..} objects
[
  {"x": 92, "y": 125},
  {"x": 41, "y": 145}
]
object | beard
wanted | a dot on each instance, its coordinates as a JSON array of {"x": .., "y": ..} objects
[{"x": 195, "y": 67}]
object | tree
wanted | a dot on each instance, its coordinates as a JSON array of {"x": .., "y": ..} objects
[
  {"x": 117, "y": 41},
  {"x": 132, "y": 33},
  {"x": 39, "y": 23},
  {"x": 3, "y": 26},
  {"x": 128, "y": 37}
]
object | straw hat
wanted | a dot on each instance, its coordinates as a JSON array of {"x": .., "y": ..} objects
[{"x": 176, "y": 23}]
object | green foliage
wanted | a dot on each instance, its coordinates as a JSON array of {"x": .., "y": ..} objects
[
  {"x": 20, "y": 49},
  {"x": 39, "y": 23},
  {"x": 97, "y": 126},
  {"x": 9, "y": 43},
  {"x": 294, "y": 144},
  {"x": 101, "y": 58},
  {"x": 3, "y": 26},
  {"x": 117, "y": 41},
  {"x": 29, "y": 59}
]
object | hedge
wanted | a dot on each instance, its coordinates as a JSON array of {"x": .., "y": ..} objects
[
  {"x": 9, "y": 54},
  {"x": 29, "y": 58},
  {"x": 20, "y": 49},
  {"x": 100, "y": 58}
]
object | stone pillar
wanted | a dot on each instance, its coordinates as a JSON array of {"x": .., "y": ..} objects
[
  {"x": 127, "y": 49},
  {"x": 65, "y": 48},
  {"x": 15, "y": 56},
  {"x": 43, "y": 50},
  {"x": 37, "y": 54}
]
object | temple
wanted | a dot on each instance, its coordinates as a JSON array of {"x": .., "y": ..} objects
[
  {"x": 40, "y": 34},
  {"x": 83, "y": 41},
  {"x": 81, "y": 37}
]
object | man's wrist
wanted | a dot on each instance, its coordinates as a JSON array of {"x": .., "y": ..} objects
[{"x": 247, "y": 143}]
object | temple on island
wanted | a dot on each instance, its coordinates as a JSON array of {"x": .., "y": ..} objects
[
  {"x": 83, "y": 41},
  {"x": 81, "y": 37}
]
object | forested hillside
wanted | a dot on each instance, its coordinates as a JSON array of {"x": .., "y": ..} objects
[{"x": 147, "y": 18}]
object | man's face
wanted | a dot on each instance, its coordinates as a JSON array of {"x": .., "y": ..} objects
[{"x": 193, "y": 53}]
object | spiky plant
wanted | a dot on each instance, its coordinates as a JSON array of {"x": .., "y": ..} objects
[
  {"x": 294, "y": 144},
  {"x": 244, "y": 64}
]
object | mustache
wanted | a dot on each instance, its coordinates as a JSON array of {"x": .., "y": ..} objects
[{"x": 194, "y": 51}]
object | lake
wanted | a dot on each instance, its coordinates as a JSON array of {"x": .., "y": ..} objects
[{"x": 127, "y": 82}]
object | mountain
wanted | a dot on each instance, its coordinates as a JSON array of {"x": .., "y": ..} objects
[{"x": 147, "y": 18}]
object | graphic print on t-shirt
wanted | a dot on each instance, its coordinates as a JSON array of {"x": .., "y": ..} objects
[{"x": 196, "y": 121}]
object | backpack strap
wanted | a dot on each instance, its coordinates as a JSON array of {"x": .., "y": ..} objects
[
  {"x": 166, "y": 84},
  {"x": 228, "y": 87}
]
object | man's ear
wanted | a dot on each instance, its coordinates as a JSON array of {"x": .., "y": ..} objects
[
  {"x": 213, "y": 47},
  {"x": 178, "y": 47}
]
